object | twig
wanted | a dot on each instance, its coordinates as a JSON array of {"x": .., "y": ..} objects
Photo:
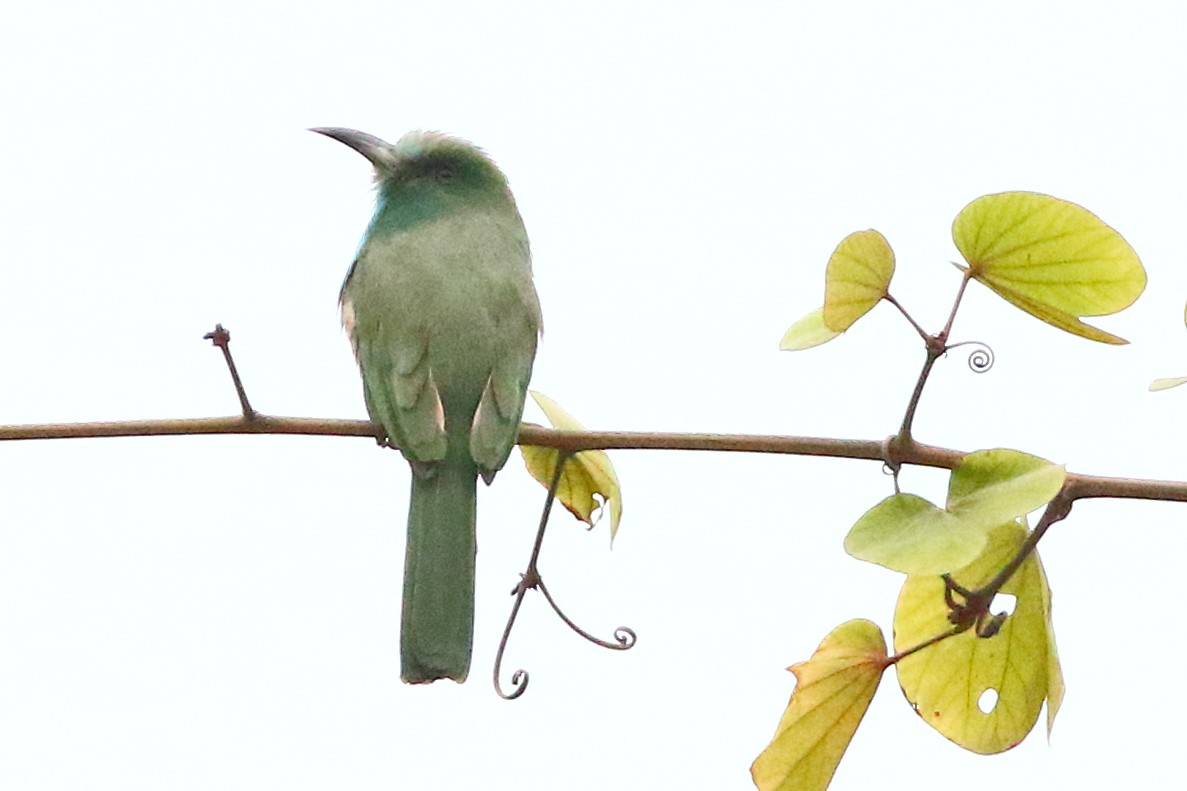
[
  {"x": 222, "y": 339},
  {"x": 934, "y": 351},
  {"x": 1056, "y": 511}
]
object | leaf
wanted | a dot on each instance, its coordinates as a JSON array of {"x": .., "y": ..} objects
[
  {"x": 807, "y": 332},
  {"x": 1056, "y": 318},
  {"x": 1064, "y": 321},
  {"x": 586, "y": 475},
  {"x": 856, "y": 278},
  {"x": 994, "y": 486},
  {"x": 1055, "y": 687},
  {"x": 906, "y": 533},
  {"x": 1053, "y": 259},
  {"x": 1166, "y": 384},
  {"x": 832, "y": 692},
  {"x": 945, "y": 681}
]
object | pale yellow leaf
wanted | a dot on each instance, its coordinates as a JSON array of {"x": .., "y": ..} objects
[
  {"x": 1166, "y": 384},
  {"x": 587, "y": 476},
  {"x": 832, "y": 692},
  {"x": 856, "y": 279},
  {"x": 1055, "y": 686},
  {"x": 949, "y": 683},
  {"x": 807, "y": 332}
]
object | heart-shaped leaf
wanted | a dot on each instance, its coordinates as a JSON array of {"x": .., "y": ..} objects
[
  {"x": 832, "y": 692},
  {"x": 906, "y": 533},
  {"x": 989, "y": 487},
  {"x": 857, "y": 277},
  {"x": 984, "y": 693},
  {"x": 1053, "y": 259},
  {"x": 807, "y": 332}
]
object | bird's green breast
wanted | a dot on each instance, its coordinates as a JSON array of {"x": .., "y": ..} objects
[{"x": 449, "y": 279}]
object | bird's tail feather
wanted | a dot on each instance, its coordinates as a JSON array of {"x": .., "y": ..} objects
[{"x": 437, "y": 630}]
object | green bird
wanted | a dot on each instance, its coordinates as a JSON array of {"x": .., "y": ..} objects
[{"x": 443, "y": 316}]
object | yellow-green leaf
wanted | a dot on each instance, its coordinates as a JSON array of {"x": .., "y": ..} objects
[
  {"x": 587, "y": 476},
  {"x": 807, "y": 332},
  {"x": 1057, "y": 318},
  {"x": 832, "y": 692},
  {"x": 947, "y": 682},
  {"x": 906, "y": 533},
  {"x": 1055, "y": 687},
  {"x": 989, "y": 487},
  {"x": 856, "y": 278},
  {"x": 1167, "y": 384},
  {"x": 1054, "y": 259}
]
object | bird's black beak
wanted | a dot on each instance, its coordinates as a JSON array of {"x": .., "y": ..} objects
[{"x": 378, "y": 152}]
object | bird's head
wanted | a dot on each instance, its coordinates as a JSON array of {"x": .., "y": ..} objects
[{"x": 426, "y": 165}]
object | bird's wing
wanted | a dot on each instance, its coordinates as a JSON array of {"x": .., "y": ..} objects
[
  {"x": 496, "y": 421},
  {"x": 397, "y": 384}
]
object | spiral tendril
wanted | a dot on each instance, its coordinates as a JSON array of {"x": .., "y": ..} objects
[
  {"x": 519, "y": 683},
  {"x": 624, "y": 636},
  {"x": 519, "y": 679},
  {"x": 981, "y": 359}
]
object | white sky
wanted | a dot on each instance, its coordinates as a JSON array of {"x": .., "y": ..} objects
[{"x": 223, "y": 612}]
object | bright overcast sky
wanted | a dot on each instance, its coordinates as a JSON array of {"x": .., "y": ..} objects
[{"x": 223, "y": 612}]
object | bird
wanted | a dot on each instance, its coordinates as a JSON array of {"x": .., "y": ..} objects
[{"x": 442, "y": 314}]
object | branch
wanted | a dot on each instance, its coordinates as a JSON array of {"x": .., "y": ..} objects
[
  {"x": 894, "y": 451},
  {"x": 1078, "y": 487}
]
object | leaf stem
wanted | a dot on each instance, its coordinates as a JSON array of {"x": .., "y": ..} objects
[
  {"x": 964, "y": 283},
  {"x": 906, "y": 652},
  {"x": 922, "y": 332}
]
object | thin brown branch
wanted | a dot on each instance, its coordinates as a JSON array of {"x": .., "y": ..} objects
[
  {"x": 1078, "y": 487},
  {"x": 258, "y": 424},
  {"x": 221, "y": 338},
  {"x": 1056, "y": 511},
  {"x": 933, "y": 353}
]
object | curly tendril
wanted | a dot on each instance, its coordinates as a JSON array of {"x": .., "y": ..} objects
[
  {"x": 981, "y": 359},
  {"x": 624, "y": 636}
]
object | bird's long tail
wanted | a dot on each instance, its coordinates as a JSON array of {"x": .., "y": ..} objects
[{"x": 437, "y": 630}]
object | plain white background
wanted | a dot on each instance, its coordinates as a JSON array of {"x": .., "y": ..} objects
[{"x": 223, "y": 611}]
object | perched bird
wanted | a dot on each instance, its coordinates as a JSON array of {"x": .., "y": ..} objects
[{"x": 443, "y": 317}]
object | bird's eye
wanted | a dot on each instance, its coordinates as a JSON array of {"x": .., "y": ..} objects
[{"x": 444, "y": 173}]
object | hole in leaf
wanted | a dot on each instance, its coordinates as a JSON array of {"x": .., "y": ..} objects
[
  {"x": 988, "y": 701},
  {"x": 1004, "y": 602},
  {"x": 595, "y": 515}
]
